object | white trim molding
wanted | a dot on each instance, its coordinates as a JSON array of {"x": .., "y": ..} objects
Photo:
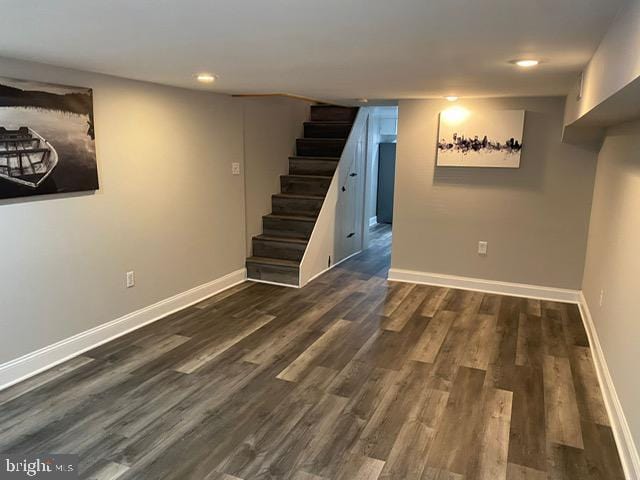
[
  {"x": 269, "y": 282},
  {"x": 624, "y": 440},
  {"x": 373, "y": 220},
  {"x": 488, "y": 286},
  {"x": 45, "y": 358}
]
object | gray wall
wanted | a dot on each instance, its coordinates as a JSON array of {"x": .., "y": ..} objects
[
  {"x": 271, "y": 126},
  {"x": 613, "y": 263},
  {"x": 168, "y": 208},
  {"x": 535, "y": 218}
]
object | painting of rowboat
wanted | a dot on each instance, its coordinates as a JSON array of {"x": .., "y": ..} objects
[{"x": 47, "y": 139}]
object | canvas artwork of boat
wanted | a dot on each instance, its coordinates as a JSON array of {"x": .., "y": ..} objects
[
  {"x": 26, "y": 158},
  {"x": 47, "y": 139}
]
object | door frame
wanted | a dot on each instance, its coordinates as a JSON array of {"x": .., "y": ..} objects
[{"x": 373, "y": 140}]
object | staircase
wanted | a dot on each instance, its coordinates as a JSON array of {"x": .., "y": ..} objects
[{"x": 277, "y": 253}]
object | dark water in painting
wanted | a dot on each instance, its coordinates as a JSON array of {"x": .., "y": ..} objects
[{"x": 67, "y": 132}]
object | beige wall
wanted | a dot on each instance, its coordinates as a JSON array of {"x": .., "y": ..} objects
[
  {"x": 168, "y": 208},
  {"x": 271, "y": 126},
  {"x": 535, "y": 218},
  {"x": 613, "y": 263}
]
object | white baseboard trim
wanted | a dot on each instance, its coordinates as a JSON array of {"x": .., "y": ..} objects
[
  {"x": 332, "y": 266},
  {"x": 45, "y": 358},
  {"x": 487, "y": 286},
  {"x": 373, "y": 221},
  {"x": 269, "y": 282},
  {"x": 624, "y": 440}
]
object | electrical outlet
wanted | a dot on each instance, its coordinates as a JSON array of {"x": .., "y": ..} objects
[
  {"x": 602, "y": 297},
  {"x": 482, "y": 248},
  {"x": 131, "y": 279},
  {"x": 235, "y": 168}
]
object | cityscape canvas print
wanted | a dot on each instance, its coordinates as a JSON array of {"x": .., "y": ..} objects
[
  {"x": 480, "y": 139},
  {"x": 46, "y": 139}
]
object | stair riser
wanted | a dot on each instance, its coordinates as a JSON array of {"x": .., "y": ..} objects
[
  {"x": 296, "y": 206},
  {"x": 286, "y": 228},
  {"x": 312, "y": 167},
  {"x": 282, "y": 250},
  {"x": 332, "y": 114},
  {"x": 313, "y": 147},
  {"x": 273, "y": 273},
  {"x": 304, "y": 186},
  {"x": 326, "y": 130}
]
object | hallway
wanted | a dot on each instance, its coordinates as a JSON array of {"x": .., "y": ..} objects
[{"x": 351, "y": 377}]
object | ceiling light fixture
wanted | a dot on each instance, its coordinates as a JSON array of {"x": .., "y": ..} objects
[
  {"x": 526, "y": 63},
  {"x": 451, "y": 98},
  {"x": 206, "y": 77},
  {"x": 455, "y": 115},
  {"x": 363, "y": 100}
]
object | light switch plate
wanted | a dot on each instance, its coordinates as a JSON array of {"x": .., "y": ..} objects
[
  {"x": 482, "y": 248},
  {"x": 235, "y": 168}
]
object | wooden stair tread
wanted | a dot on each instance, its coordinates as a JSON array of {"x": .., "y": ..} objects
[
  {"x": 327, "y": 122},
  {"x": 324, "y": 139},
  {"x": 272, "y": 238},
  {"x": 301, "y": 218},
  {"x": 309, "y": 176},
  {"x": 298, "y": 195},
  {"x": 306, "y": 157},
  {"x": 274, "y": 261}
]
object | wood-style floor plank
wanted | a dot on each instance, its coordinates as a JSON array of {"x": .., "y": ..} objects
[
  {"x": 431, "y": 340},
  {"x": 589, "y": 396},
  {"x": 455, "y": 441},
  {"x": 520, "y": 472},
  {"x": 494, "y": 439},
  {"x": 108, "y": 471},
  {"x": 350, "y": 378},
  {"x": 527, "y": 443},
  {"x": 361, "y": 468},
  {"x": 433, "y": 302},
  {"x": 563, "y": 418}
]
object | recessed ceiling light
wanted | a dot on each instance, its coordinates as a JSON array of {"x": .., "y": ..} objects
[
  {"x": 363, "y": 100},
  {"x": 451, "y": 98},
  {"x": 206, "y": 77},
  {"x": 526, "y": 63}
]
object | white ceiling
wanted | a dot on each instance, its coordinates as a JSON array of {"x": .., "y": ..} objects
[{"x": 330, "y": 49}]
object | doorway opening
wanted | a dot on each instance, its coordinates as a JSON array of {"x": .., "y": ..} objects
[{"x": 382, "y": 130}]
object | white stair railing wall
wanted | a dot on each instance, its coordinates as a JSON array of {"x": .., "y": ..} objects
[{"x": 337, "y": 234}]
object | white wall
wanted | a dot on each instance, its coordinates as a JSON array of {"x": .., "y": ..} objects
[
  {"x": 373, "y": 140},
  {"x": 613, "y": 263},
  {"x": 338, "y": 232},
  {"x": 535, "y": 218},
  {"x": 614, "y": 65},
  {"x": 271, "y": 126},
  {"x": 168, "y": 208}
]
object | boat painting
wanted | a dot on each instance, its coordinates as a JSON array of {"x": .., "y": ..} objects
[
  {"x": 47, "y": 139},
  {"x": 26, "y": 158}
]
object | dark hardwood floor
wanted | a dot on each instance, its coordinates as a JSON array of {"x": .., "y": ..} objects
[{"x": 351, "y": 377}]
